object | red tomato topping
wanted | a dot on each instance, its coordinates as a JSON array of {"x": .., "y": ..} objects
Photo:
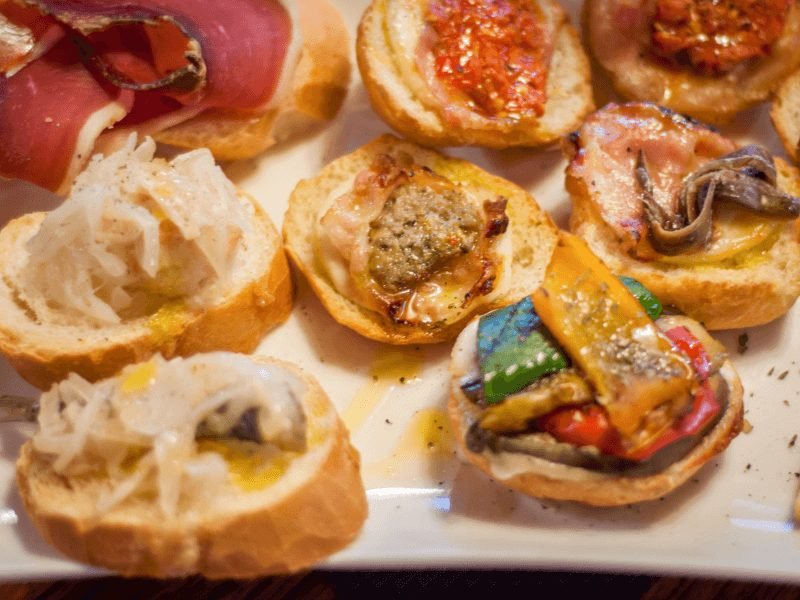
[
  {"x": 589, "y": 426},
  {"x": 716, "y": 35},
  {"x": 496, "y": 52}
]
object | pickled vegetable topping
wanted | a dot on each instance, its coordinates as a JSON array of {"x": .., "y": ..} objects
[
  {"x": 714, "y": 36},
  {"x": 495, "y": 52}
]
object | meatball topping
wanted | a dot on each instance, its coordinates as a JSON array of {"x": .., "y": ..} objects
[
  {"x": 716, "y": 35},
  {"x": 418, "y": 231}
]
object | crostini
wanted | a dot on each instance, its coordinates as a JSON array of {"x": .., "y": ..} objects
[
  {"x": 576, "y": 393},
  {"x": 144, "y": 256},
  {"x": 78, "y": 78},
  {"x": 699, "y": 57},
  {"x": 404, "y": 245},
  {"x": 710, "y": 228},
  {"x": 495, "y": 74},
  {"x": 785, "y": 115},
  {"x": 220, "y": 464}
]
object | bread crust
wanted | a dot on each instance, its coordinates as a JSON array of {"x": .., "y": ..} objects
[
  {"x": 546, "y": 479},
  {"x": 719, "y": 296},
  {"x": 236, "y": 322},
  {"x": 318, "y": 516},
  {"x": 533, "y": 237},
  {"x": 708, "y": 98},
  {"x": 785, "y": 115},
  {"x": 569, "y": 92},
  {"x": 318, "y": 88}
]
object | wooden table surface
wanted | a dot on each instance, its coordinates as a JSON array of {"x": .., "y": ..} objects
[{"x": 322, "y": 585}]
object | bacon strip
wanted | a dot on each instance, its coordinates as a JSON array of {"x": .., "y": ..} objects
[
  {"x": 51, "y": 112},
  {"x": 604, "y": 154}
]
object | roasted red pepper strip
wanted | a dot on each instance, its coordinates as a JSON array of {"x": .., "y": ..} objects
[{"x": 589, "y": 425}]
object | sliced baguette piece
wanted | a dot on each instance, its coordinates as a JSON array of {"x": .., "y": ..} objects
[
  {"x": 532, "y": 232},
  {"x": 569, "y": 91},
  {"x": 44, "y": 353},
  {"x": 720, "y": 296},
  {"x": 620, "y": 47},
  {"x": 313, "y": 509},
  {"x": 785, "y": 115},
  {"x": 541, "y": 478},
  {"x": 318, "y": 88}
]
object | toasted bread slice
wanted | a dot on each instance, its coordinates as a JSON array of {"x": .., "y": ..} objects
[
  {"x": 313, "y": 508},
  {"x": 144, "y": 257},
  {"x": 44, "y": 353},
  {"x": 724, "y": 295},
  {"x": 532, "y": 238},
  {"x": 755, "y": 281},
  {"x": 617, "y": 34},
  {"x": 318, "y": 88},
  {"x": 785, "y": 115},
  {"x": 423, "y": 119},
  {"x": 542, "y": 478}
]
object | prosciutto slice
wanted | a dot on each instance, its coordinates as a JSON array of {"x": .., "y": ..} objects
[
  {"x": 51, "y": 112},
  {"x": 143, "y": 63},
  {"x": 25, "y": 35}
]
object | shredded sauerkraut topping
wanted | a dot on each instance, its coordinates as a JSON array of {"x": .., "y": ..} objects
[
  {"x": 135, "y": 233},
  {"x": 140, "y": 429}
]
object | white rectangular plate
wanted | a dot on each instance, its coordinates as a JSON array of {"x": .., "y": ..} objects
[{"x": 429, "y": 510}]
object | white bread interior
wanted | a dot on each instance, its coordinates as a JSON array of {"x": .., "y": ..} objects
[
  {"x": 546, "y": 479},
  {"x": 569, "y": 92},
  {"x": 532, "y": 236},
  {"x": 315, "y": 508},
  {"x": 318, "y": 88},
  {"x": 259, "y": 298}
]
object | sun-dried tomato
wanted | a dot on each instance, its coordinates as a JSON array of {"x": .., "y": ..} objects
[
  {"x": 496, "y": 52},
  {"x": 716, "y": 35}
]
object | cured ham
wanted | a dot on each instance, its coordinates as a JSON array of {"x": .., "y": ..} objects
[
  {"x": 134, "y": 62},
  {"x": 51, "y": 112}
]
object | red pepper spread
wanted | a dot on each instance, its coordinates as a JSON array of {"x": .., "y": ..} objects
[
  {"x": 495, "y": 52},
  {"x": 716, "y": 35}
]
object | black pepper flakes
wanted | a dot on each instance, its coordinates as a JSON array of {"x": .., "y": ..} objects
[
  {"x": 793, "y": 441},
  {"x": 387, "y": 421},
  {"x": 741, "y": 342},
  {"x": 770, "y": 372},
  {"x": 747, "y": 467},
  {"x": 783, "y": 375}
]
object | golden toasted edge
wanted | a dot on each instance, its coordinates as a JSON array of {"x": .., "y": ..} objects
[
  {"x": 238, "y": 323},
  {"x": 374, "y": 58},
  {"x": 785, "y": 115},
  {"x": 715, "y": 100},
  {"x": 322, "y": 515},
  {"x": 718, "y": 297},
  {"x": 546, "y": 479},
  {"x": 527, "y": 222},
  {"x": 319, "y": 87}
]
